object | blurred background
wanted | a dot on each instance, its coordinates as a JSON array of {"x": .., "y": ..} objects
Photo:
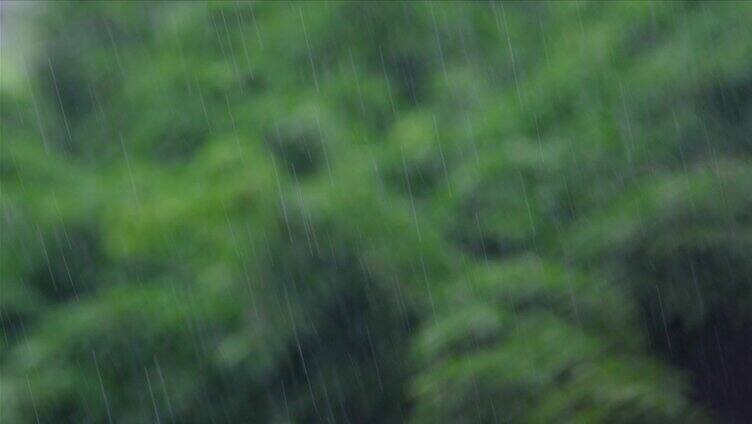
[{"x": 376, "y": 212}]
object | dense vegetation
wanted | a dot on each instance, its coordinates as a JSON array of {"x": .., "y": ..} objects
[{"x": 352, "y": 212}]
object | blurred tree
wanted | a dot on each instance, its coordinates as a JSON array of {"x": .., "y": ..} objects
[{"x": 377, "y": 212}]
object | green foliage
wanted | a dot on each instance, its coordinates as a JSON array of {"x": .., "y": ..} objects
[{"x": 377, "y": 212}]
